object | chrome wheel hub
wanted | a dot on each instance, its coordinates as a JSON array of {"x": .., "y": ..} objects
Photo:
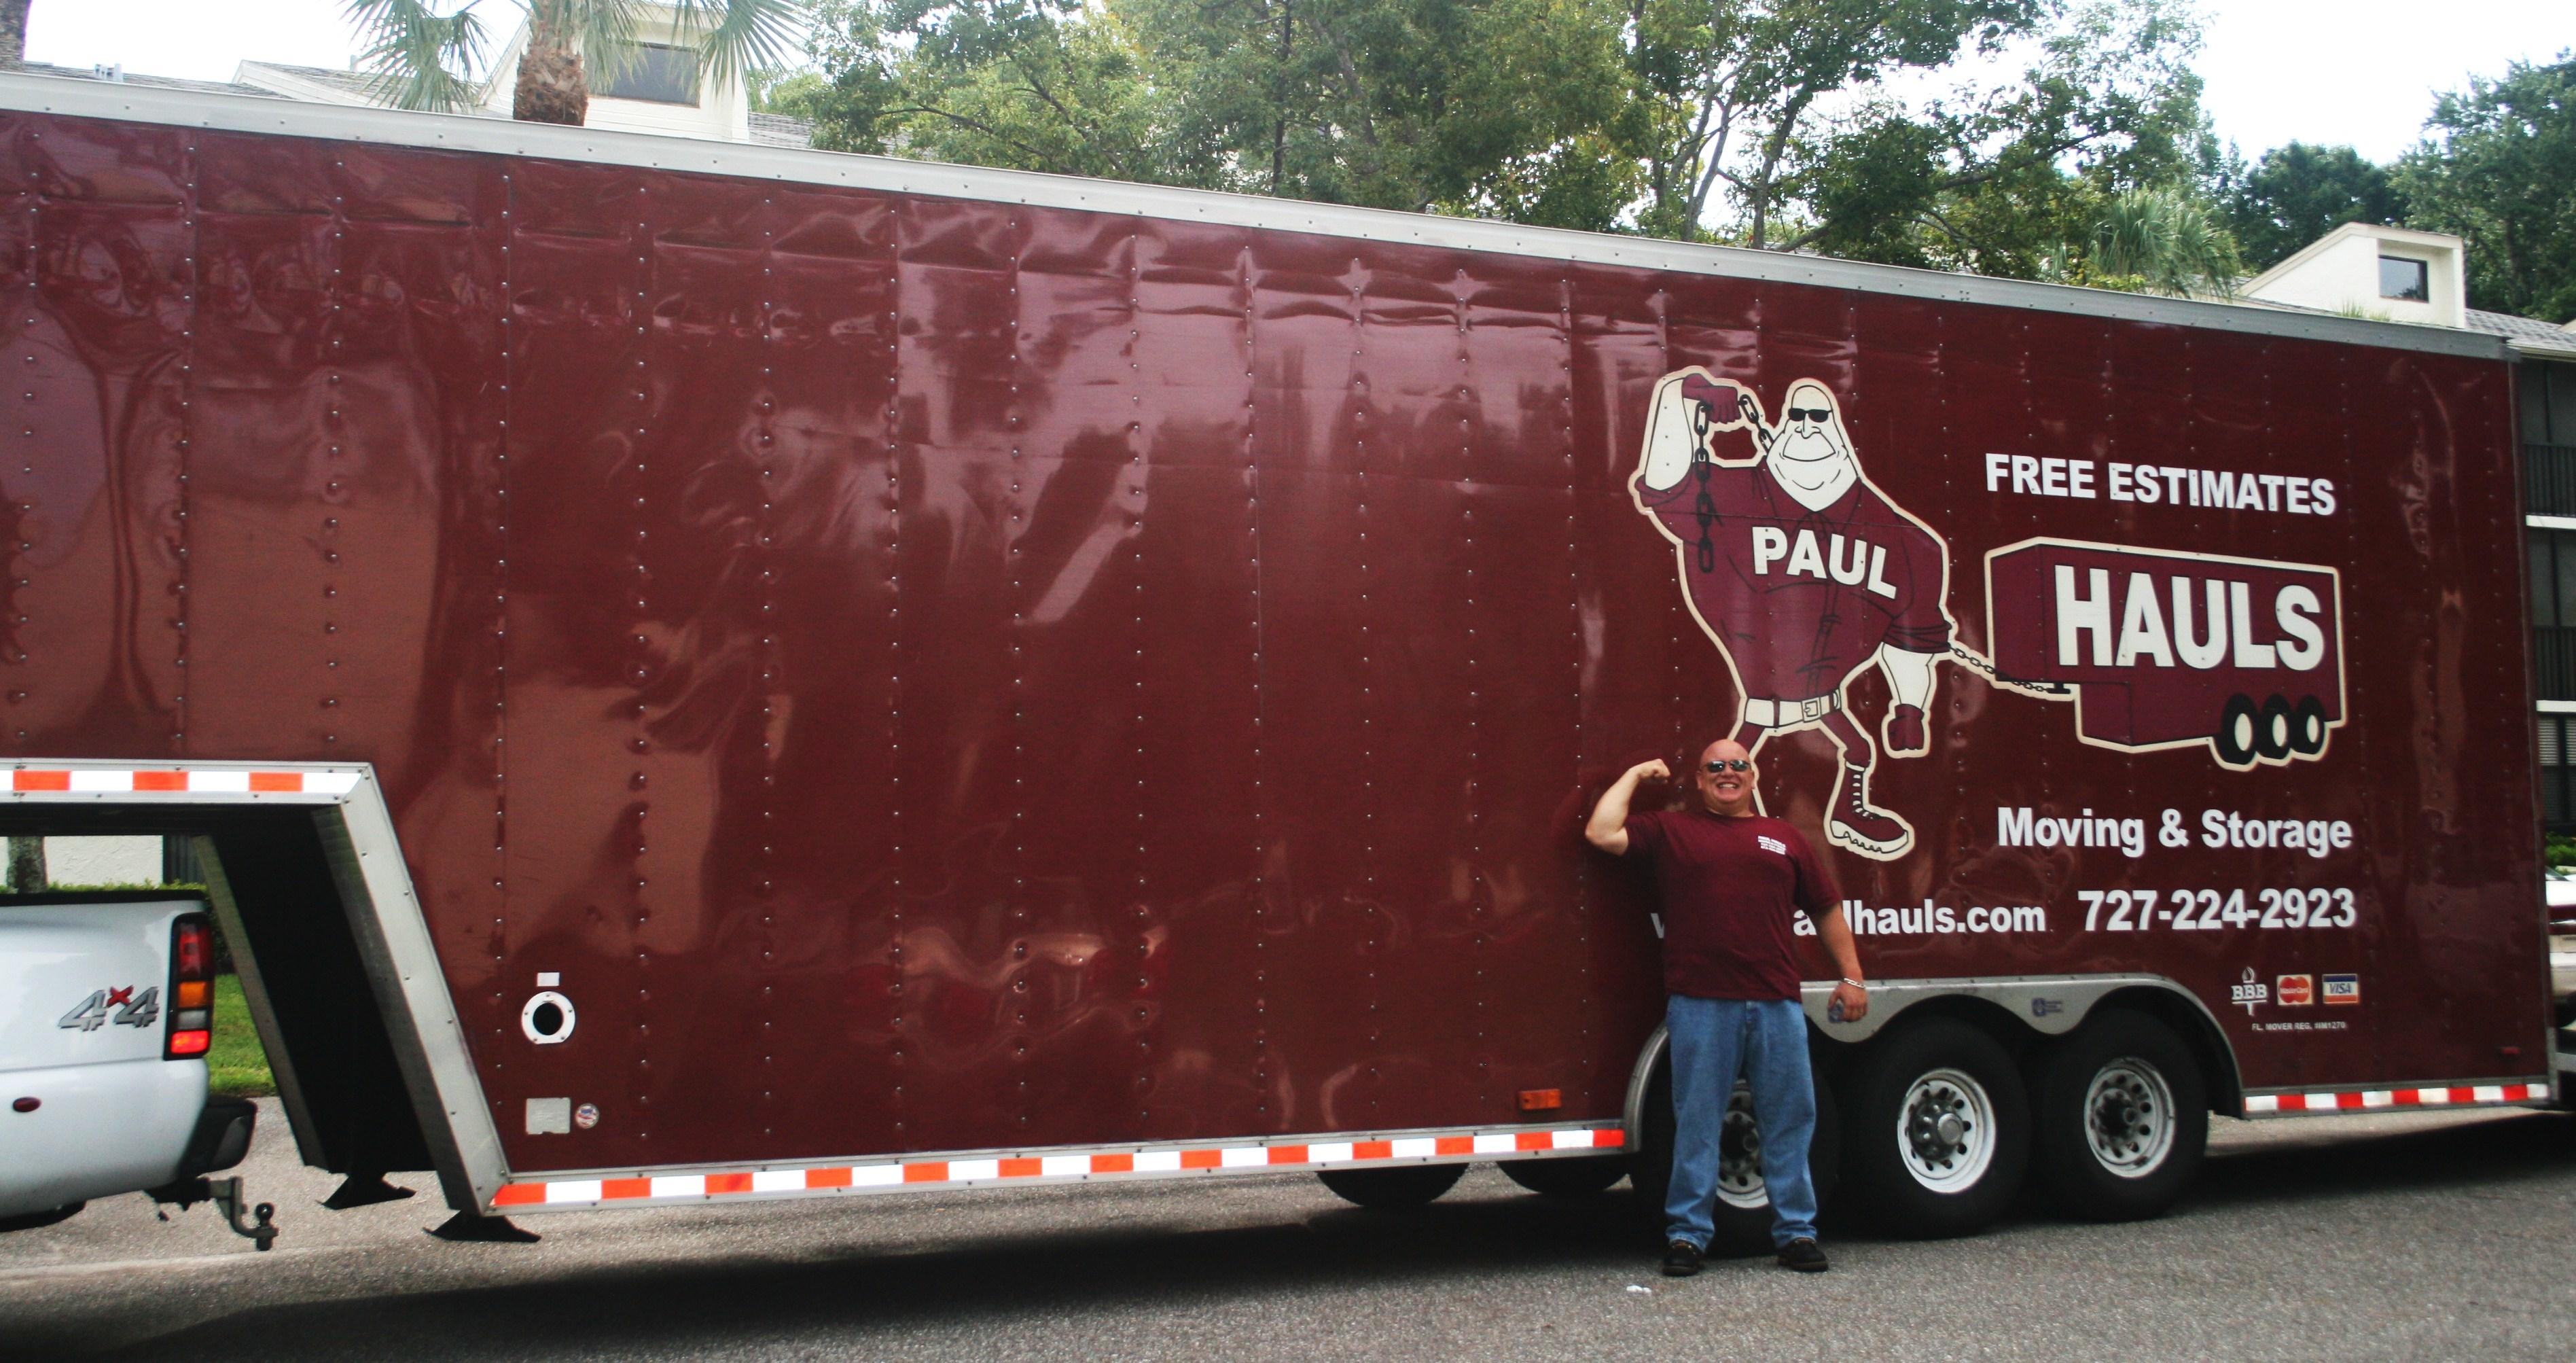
[
  {"x": 1945, "y": 1130},
  {"x": 2129, "y": 1118},
  {"x": 1739, "y": 1155}
]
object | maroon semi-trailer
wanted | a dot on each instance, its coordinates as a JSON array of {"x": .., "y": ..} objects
[{"x": 706, "y": 673}]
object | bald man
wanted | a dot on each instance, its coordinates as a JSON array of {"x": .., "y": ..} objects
[
  {"x": 1731, "y": 881},
  {"x": 1803, "y": 574}
]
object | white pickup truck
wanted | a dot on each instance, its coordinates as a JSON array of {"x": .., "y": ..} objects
[{"x": 106, "y": 1015}]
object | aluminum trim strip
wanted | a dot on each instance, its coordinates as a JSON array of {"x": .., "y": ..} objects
[
  {"x": 2337, "y": 1102},
  {"x": 588, "y": 1190},
  {"x": 339, "y": 122},
  {"x": 76, "y": 781}
]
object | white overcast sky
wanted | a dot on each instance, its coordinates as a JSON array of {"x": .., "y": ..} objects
[{"x": 2358, "y": 72}]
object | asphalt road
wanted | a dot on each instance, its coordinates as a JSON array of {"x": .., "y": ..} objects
[{"x": 2347, "y": 1238}]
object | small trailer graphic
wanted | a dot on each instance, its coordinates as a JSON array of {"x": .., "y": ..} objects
[{"x": 2163, "y": 649}]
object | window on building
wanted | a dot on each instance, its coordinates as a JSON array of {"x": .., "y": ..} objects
[
  {"x": 2557, "y": 777},
  {"x": 2553, "y": 612},
  {"x": 2403, "y": 278},
  {"x": 655, "y": 74}
]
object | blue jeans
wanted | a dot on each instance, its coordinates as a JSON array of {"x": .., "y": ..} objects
[{"x": 1712, "y": 1041}]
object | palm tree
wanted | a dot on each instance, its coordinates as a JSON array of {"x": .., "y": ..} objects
[
  {"x": 422, "y": 51},
  {"x": 2168, "y": 241}
]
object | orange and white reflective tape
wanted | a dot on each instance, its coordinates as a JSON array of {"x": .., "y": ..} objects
[
  {"x": 177, "y": 781},
  {"x": 644, "y": 1189},
  {"x": 2359, "y": 1100}
]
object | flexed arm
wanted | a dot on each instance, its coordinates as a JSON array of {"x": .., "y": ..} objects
[{"x": 1607, "y": 829}]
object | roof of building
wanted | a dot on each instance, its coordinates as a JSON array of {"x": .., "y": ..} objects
[
  {"x": 355, "y": 84},
  {"x": 781, "y": 130},
  {"x": 2506, "y": 324},
  {"x": 120, "y": 76},
  {"x": 2529, "y": 335}
]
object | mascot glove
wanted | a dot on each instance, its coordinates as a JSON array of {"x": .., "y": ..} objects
[{"x": 1905, "y": 730}]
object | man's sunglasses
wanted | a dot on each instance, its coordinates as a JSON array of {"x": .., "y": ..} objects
[
  {"x": 1810, "y": 413},
  {"x": 1729, "y": 764}
]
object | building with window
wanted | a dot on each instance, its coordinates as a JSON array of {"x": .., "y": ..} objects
[
  {"x": 2361, "y": 269},
  {"x": 2545, "y": 389}
]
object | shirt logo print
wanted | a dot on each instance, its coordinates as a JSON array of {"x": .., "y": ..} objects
[{"x": 1770, "y": 844}]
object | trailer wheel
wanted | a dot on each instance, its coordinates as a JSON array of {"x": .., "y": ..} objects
[
  {"x": 2308, "y": 727},
  {"x": 1941, "y": 1129},
  {"x": 2237, "y": 736},
  {"x": 1742, "y": 1216},
  {"x": 1394, "y": 1187},
  {"x": 2275, "y": 730},
  {"x": 1581, "y": 1177},
  {"x": 2123, "y": 1118}
]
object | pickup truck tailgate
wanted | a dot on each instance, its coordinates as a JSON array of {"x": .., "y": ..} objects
[{"x": 88, "y": 1106}]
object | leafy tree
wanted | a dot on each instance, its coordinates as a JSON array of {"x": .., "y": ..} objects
[
  {"x": 2016, "y": 180},
  {"x": 2500, "y": 171},
  {"x": 1727, "y": 87},
  {"x": 1682, "y": 118},
  {"x": 423, "y": 52},
  {"x": 786, "y": 92},
  {"x": 1022, "y": 84},
  {"x": 1479, "y": 106},
  {"x": 2298, "y": 193}
]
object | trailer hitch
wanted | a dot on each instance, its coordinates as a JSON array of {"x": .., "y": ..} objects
[{"x": 226, "y": 1194}]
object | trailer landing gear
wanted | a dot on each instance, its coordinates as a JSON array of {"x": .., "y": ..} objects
[
  {"x": 363, "y": 1189},
  {"x": 467, "y": 1228}
]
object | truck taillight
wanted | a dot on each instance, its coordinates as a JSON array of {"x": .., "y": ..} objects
[{"x": 192, "y": 988}]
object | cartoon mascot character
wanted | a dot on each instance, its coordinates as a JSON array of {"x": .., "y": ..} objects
[{"x": 1803, "y": 573}]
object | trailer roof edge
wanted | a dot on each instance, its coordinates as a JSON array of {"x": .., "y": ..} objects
[{"x": 76, "y": 98}]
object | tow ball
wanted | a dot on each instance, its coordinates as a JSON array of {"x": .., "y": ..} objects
[{"x": 226, "y": 1194}]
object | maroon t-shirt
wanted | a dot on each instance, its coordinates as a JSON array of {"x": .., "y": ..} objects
[{"x": 1728, "y": 888}]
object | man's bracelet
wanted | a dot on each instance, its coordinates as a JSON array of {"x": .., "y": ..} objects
[{"x": 1854, "y": 983}]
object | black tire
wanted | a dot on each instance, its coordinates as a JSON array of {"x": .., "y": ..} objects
[
  {"x": 1972, "y": 1166},
  {"x": 2122, "y": 1118},
  {"x": 2308, "y": 727},
  {"x": 1741, "y": 1218},
  {"x": 1394, "y": 1187},
  {"x": 31, "y": 1220},
  {"x": 2275, "y": 730},
  {"x": 2239, "y": 725},
  {"x": 1586, "y": 1176}
]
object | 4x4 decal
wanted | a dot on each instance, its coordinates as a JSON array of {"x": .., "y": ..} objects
[{"x": 130, "y": 1009}]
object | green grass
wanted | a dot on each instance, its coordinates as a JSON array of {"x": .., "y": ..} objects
[{"x": 236, "y": 1067}]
